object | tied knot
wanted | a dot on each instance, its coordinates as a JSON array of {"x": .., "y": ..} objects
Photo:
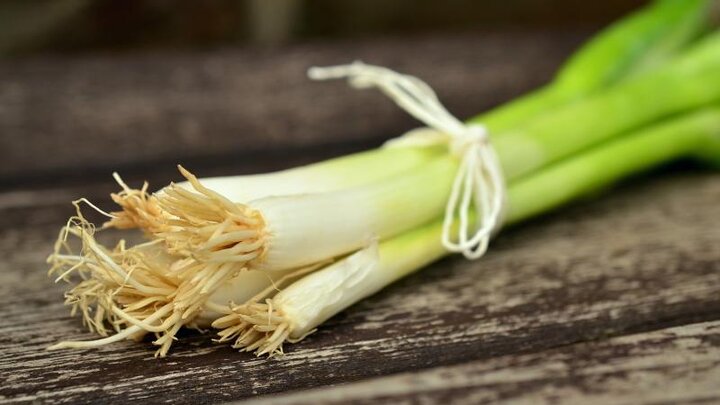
[
  {"x": 477, "y": 195},
  {"x": 474, "y": 135}
]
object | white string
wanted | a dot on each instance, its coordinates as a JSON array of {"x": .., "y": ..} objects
[{"x": 478, "y": 184}]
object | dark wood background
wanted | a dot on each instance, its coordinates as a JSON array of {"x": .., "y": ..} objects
[
  {"x": 28, "y": 26},
  {"x": 615, "y": 299}
]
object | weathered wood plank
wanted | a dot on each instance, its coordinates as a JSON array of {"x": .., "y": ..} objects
[
  {"x": 674, "y": 365},
  {"x": 640, "y": 259},
  {"x": 76, "y": 116}
]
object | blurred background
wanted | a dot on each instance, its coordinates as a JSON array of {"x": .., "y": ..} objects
[
  {"x": 88, "y": 87},
  {"x": 28, "y": 26}
]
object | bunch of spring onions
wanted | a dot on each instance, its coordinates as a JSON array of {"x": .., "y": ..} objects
[{"x": 266, "y": 259}]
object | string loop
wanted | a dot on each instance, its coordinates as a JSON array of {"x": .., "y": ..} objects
[{"x": 478, "y": 185}]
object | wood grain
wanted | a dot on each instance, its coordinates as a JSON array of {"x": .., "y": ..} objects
[
  {"x": 673, "y": 365},
  {"x": 641, "y": 259}
]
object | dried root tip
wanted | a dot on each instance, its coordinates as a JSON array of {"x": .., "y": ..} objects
[
  {"x": 203, "y": 240},
  {"x": 256, "y": 327},
  {"x": 140, "y": 209},
  {"x": 125, "y": 334},
  {"x": 200, "y": 223},
  {"x": 126, "y": 290},
  {"x": 205, "y": 225}
]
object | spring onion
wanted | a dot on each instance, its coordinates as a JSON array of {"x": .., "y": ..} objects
[{"x": 220, "y": 248}]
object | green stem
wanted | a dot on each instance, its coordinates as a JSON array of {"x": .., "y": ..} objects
[
  {"x": 524, "y": 108},
  {"x": 638, "y": 43},
  {"x": 688, "y": 136},
  {"x": 604, "y": 165},
  {"x": 688, "y": 83}
]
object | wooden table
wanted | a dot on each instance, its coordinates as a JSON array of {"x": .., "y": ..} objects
[{"x": 613, "y": 300}]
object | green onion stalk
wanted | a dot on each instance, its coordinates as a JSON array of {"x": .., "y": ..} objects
[
  {"x": 265, "y": 322},
  {"x": 331, "y": 233},
  {"x": 636, "y": 44}
]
